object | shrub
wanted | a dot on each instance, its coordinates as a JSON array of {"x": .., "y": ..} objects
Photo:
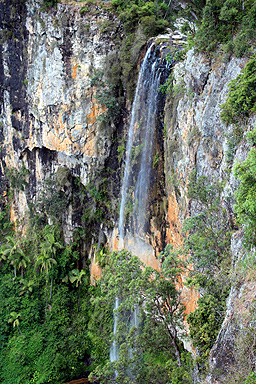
[
  {"x": 222, "y": 21},
  {"x": 245, "y": 194},
  {"x": 49, "y": 4},
  {"x": 207, "y": 240},
  {"x": 241, "y": 99}
]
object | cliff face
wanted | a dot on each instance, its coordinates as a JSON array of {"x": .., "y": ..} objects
[
  {"x": 197, "y": 139},
  {"x": 49, "y": 121},
  {"x": 49, "y": 111}
]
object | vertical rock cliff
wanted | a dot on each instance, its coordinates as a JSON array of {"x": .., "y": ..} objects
[{"x": 197, "y": 140}]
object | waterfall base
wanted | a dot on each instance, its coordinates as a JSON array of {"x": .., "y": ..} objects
[{"x": 136, "y": 245}]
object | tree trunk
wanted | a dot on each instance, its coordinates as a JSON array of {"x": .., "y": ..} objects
[
  {"x": 177, "y": 351},
  {"x": 46, "y": 296},
  {"x": 51, "y": 289},
  {"x": 78, "y": 298}
]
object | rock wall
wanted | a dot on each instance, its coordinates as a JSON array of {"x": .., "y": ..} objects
[
  {"x": 48, "y": 108},
  {"x": 196, "y": 139}
]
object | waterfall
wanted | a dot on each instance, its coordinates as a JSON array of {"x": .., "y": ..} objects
[
  {"x": 138, "y": 163},
  {"x": 140, "y": 143},
  {"x": 134, "y": 119},
  {"x": 114, "y": 347}
]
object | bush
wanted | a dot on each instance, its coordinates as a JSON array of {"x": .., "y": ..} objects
[
  {"x": 241, "y": 99},
  {"x": 207, "y": 240},
  {"x": 205, "y": 322},
  {"x": 245, "y": 194},
  {"x": 222, "y": 21},
  {"x": 49, "y": 4}
]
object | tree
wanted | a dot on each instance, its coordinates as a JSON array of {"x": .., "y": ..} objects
[
  {"x": 14, "y": 319},
  {"x": 245, "y": 194},
  {"x": 6, "y": 227},
  {"x": 158, "y": 319},
  {"x": 207, "y": 238},
  {"x": 46, "y": 258},
  {"x": 14, "y": 254},
  {"x": 45, "y": 261},
  {"x": 77, "y": 276}
]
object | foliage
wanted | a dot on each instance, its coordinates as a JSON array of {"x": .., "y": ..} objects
[
  {"x": 210, "y": 230},
  {"x": 231, "y": 21},
  {"x": 6, "y": 226},
  {"x": 13, "y": 253},
  {"x": 18, "y": 178},
  {"x": 205, "y": 323},
  {"x": 35, "y": 348},
  {"x": 207, "y": 240},
  {"x": 241, "y": 99},
  {"x": 105, "y": 96},
  {"x": 150, "y": 15},
  {"x": 245, "y": 350},
  {"x": 53, "y": 199},
  {"x": 234, "y": 140},
  {"x": 49, "y": 4},
  {"x": 83, "y": 10},
  {"x": 148, "y": 350},
  {"x": 97, "y": 206},
  {"x": 129, "y": 54},
  {"x": 167, "y": 87},
  {"x": 246, "y": 192}
]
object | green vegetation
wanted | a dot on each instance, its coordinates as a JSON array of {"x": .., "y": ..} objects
[
  {"x": 150, "y": 350},
  {"x": 246, "y": 192},
  {"x": 207, "y": 240},
  {"x": 39, "y": 314},
  {"x": 150, "y": 15},
  {"x": 243, "y": 370},
  {"x": 44, "y": 283},
  {"x": 241, "y": 100},
  {"x": 231, "y": 22},
  {"x": 18, "y": 179},
  {"x": 52, "y": 320},
  {"x": 106, "y": 96},
  {"x": 46, "y": 4}
]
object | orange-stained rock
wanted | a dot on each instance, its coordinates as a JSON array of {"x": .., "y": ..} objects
[
  {"x": 137, "y": 246},
  {"x": 173, "y": 231},
  {"x": 95, "y": 112},
  {"x": 174, "y": 237},
  {"x": 95, "y": 270},
  {"x": 74, "y": 71}
]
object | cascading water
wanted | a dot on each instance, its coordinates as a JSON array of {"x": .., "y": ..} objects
[
  {"x": 138, "y": 164},
  {"x": 140, "y": 143},
  {"x": 134, "y": 120},
  {"x": 114, "y": 347}
]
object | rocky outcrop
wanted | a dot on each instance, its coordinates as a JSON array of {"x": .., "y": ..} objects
[
  {"x": 196, "y": 139},
  {"x": 49, "y": 111}
]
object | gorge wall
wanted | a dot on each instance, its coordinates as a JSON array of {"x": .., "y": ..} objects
[{"x": 50, "y": 124}]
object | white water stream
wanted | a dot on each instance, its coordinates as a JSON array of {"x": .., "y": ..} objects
[
  {"x": 143, "y": 85},
  {"x": 140, "y": 139}
]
